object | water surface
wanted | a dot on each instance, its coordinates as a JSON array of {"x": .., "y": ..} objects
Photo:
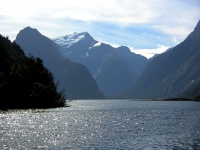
[{"x": 104, "y": 125}]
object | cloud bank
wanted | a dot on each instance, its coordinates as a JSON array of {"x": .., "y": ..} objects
[{"x": 141, "y": 24}]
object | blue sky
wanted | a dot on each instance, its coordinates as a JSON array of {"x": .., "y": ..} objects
[{"x": 147, "y": 27}]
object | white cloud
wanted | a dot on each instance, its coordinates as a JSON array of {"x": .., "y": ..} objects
[
  {"x": 174, "y": 19},
  {"x": 126, "y": 12},
  {"x": 150, "y": 52},
  {"x": 173, "y": 30}
]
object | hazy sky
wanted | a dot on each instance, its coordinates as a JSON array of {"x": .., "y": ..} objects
[{"x": 146, "y": 26}]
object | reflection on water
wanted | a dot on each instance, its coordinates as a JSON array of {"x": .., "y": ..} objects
[{"x": 104, "y": 124}]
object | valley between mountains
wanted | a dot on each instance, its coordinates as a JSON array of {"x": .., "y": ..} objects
[{"x": 90, "y": 69}]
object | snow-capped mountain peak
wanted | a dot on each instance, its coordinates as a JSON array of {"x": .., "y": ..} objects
[{"x": 68, "y": 40}]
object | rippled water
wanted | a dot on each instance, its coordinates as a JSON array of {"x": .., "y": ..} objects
[{"x": 104, "y": 124}]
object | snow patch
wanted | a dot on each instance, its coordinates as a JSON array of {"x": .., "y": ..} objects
[
  {"x": 96, "y": 45},
  {"x": 68, "y": 40}
]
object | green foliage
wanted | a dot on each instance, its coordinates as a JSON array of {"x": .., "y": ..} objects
[{"x": 25, "y": 82}]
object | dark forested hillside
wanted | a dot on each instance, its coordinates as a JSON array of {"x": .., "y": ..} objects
[{"x": 24, "y": 81}]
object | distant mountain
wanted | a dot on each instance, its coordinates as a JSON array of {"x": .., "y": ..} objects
[
  {"x": 73, "y": 78},
  {"x": 173, "y": 73},
  {"x": 114, "y": 69}
]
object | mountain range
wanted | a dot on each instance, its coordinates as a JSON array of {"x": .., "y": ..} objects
[
  {"x": 73, "y": 78},
  {"x": 114, "y": 69},
  {"x": 87, "y": 68}
]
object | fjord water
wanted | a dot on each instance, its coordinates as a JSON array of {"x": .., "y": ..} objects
[{"x": 104, "y": 124}]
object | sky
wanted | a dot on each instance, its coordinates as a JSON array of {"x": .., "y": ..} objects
[{"x": 147, "y": 27}]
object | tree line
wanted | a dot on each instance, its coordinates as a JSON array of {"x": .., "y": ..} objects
[{"x": 24, "y": 81}]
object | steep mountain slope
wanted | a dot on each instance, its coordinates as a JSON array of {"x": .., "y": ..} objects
[
  {"x": 74, "y": 78},
  {"x": 114, "y": 69},
  {"x": 171, "y": 74},
  {"x": 25, "y": 82}
]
